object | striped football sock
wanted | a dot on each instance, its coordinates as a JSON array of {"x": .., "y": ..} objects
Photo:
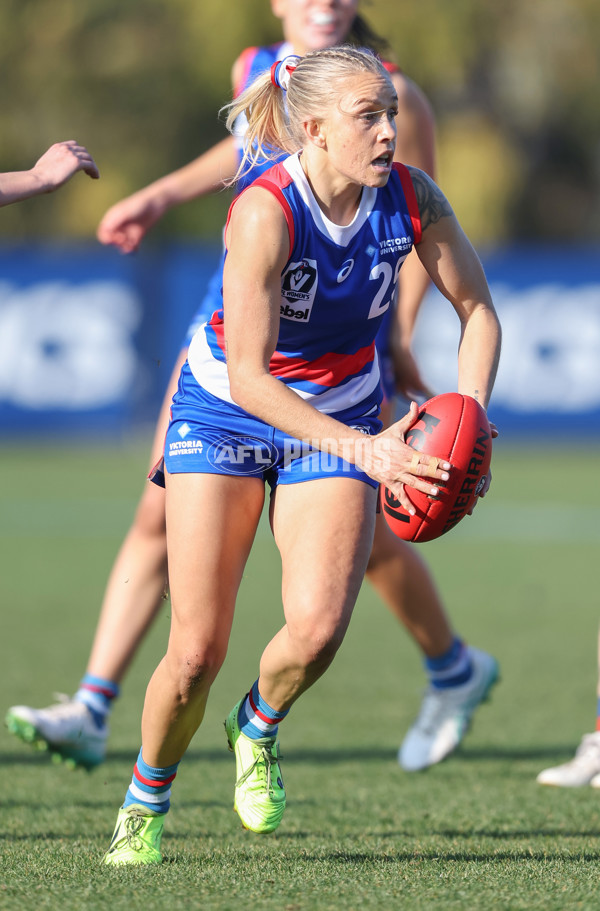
[
  {"x": 453, "y": 668},
  {"x": 257, "y": 719},
  {"x": 97, "y": 694},
  {"x": 151, "y": 787}
]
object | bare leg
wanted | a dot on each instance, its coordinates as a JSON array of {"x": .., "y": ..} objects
[
  {"x": 402, "y": 580},
  {"x": 404, "y": 583},
  {"x": 138, "y": 580},
  {"x": 76, "y": 730},
  {"x": 211, "y": 521},
  {"x": 324, "y": 554}
]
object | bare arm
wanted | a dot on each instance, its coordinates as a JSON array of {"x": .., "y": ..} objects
[
  {"x": 455, "y": 269},
  {"x": 258, "y": 246},
  {"x": 55, "y": 167},
  {"x": 415, "y": 145},
  {"x": 127, "y": 222}
]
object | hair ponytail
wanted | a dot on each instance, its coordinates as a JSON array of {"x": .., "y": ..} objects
[
  {"x": 262, "y": 105},
  {"x": 275, "y": 117}
]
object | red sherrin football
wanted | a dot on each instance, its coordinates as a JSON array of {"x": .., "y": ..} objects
[{"x": 454, "y": 428}]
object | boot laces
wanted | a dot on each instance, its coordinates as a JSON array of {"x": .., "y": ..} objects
[
  {"x": 264, "y": 761},
  {"x": 133, "y": 825}
]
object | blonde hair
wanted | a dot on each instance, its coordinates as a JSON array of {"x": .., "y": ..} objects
[{"x": 275, "y": 117}]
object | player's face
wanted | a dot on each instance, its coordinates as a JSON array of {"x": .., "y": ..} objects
[
  {"x": 311, "y": 25},
  {"x": 360, "y": 130}
]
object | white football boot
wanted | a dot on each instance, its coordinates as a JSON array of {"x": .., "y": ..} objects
[
  {"x": 67, "y": 730},
  {"x": 582, "y": 770},
  {"x": 446, "y": 714}
]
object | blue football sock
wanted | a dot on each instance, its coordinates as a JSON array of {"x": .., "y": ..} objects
[
  {"x": 151, "y": 787},
  {"x": 256, "y": 718},
  {"x": 98, "y": 695},
  {"x": 453, "y": 668}
]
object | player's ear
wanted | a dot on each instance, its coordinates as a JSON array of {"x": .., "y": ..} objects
[{"x": 315, "y": 133}]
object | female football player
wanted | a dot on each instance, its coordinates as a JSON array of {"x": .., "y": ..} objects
[
  {"x": 282, "y": 386},
  {"x": 459, "y": 676}
]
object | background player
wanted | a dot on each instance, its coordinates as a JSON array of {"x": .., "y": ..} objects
[
  {"x": 55, "y": 167},
  {"x": 459, "y": 676},
  {"x": 584, "y": 768}
]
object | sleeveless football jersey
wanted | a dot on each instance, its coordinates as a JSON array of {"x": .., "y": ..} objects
[
  {"x": 254, "y": 61},
  {"x": 337, "y": 286}
]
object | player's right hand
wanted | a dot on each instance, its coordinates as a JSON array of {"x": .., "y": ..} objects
[
  {"x": 126, "y": 223},
  {"x": 388, "y": 458}
]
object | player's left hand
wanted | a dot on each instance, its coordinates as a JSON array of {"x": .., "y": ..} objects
[{"x": 488, "y": 480}]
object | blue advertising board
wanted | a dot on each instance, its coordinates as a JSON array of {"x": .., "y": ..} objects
[
  {"x": 88, "y": 338},
  {"x": 548, "y": 301}
]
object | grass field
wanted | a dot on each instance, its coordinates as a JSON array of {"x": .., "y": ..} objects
[{"x": 519, "y": 578}]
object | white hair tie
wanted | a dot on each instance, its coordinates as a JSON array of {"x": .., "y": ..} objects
[{"x": 282, "y": 70}]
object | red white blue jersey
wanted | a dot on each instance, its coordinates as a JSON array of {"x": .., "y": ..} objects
[
  {"x": 337, "y": 286},
  {"x": 254, "y": 61}
]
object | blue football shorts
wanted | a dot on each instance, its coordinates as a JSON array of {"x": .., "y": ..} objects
[{"x": 208, "y": 435}]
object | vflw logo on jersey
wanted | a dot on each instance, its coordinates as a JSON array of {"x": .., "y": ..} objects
[{"x": 298, "y": 290}]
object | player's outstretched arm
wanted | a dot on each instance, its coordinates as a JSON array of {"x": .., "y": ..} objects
[
  {"x": 55, "y": 167},
  {"x": 127, "y": 222},
  {"x": 456, "y": 270},
  {"x": 415, "y": 145}
]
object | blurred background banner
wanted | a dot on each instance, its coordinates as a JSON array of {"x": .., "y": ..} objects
[
  {"x": 548, "y": 301},
  {"x": 88, "y": 338}
]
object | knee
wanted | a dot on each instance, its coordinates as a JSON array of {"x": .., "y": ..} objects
[
  {"x": 194, "y": 671},
  {"x": 317, "y": 643}
]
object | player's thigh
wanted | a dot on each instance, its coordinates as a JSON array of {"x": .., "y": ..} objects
[
  {"x": 324, "y": 530},
  {"x": 211, "y": 523}
]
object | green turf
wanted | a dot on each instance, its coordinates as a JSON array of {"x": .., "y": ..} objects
[{"x": 519, "y": 578}]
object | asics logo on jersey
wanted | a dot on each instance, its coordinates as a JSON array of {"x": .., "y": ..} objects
[
  {"x": 395, "y": 245},
  {"x": 298, "y": 289},
  {"x": 345, "y": 270}
]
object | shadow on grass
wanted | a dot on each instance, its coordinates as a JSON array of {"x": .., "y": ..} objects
[
  {"x": 454, "y": 856},
  {"x": 322, "y": 756},
  {"x": 363, "y": 859}
]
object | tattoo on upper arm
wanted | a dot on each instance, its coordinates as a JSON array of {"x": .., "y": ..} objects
[{"x": 433, "y": 205}]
